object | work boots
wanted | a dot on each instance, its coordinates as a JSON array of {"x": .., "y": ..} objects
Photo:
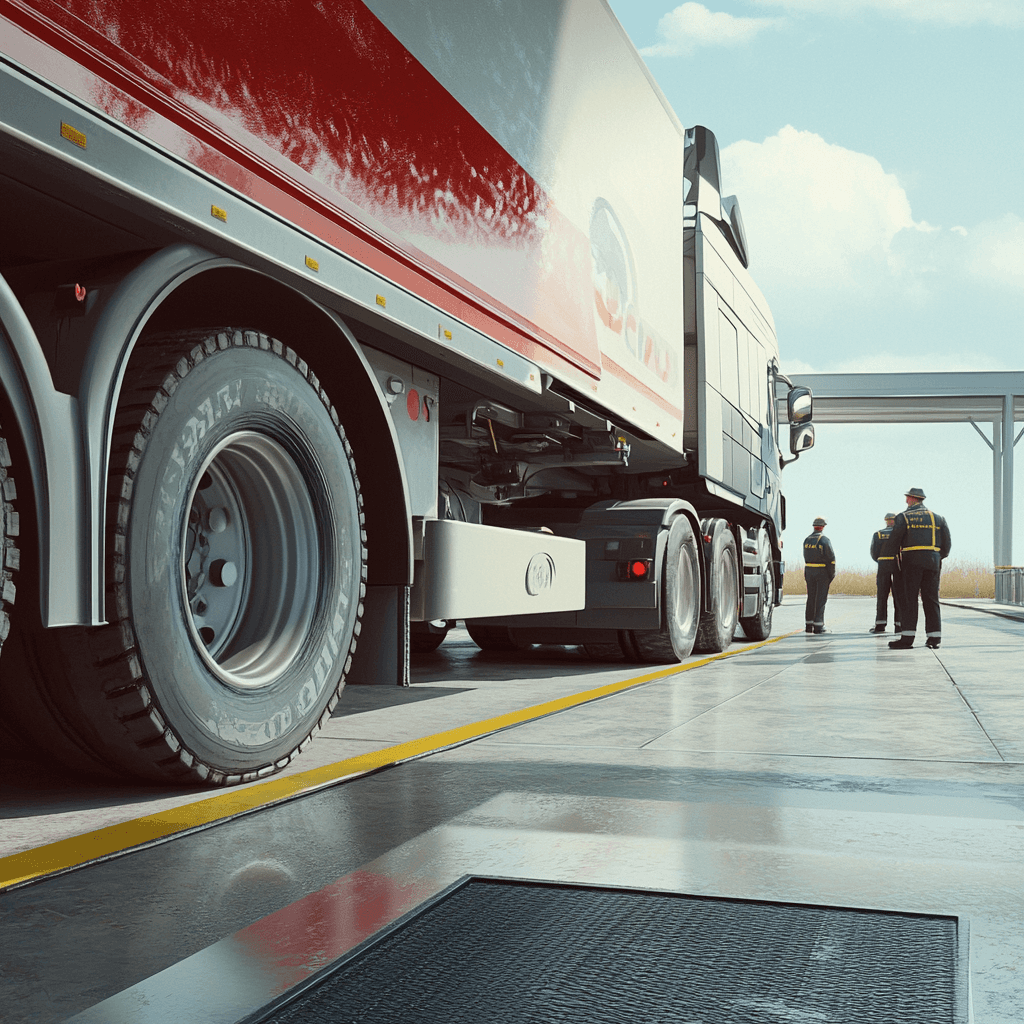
[
  {"x": 933, "y": 642},
  {"x": 904, "y": 643},
  {"x": 877, "y": 629}
]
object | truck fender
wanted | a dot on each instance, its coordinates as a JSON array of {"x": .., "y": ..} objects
[
  {"x": 47, "y": 423},
  {"x": 660, "y": 512},
  {"x": 68, "y": 437}
]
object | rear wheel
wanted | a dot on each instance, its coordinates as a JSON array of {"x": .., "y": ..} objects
[
  {"x": 235, "y": 570},
  {"x": 602, "y": 652},
  {"x": 718, "y": 622},
  {"x": 425, "y": 637},
  {"x": 493, "y": 638},
  {"x": 680, "y": 603}
]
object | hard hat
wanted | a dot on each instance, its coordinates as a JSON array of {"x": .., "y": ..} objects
[
  {"x": 819, "y": 522},
  {"x": 890, "y": 515}
]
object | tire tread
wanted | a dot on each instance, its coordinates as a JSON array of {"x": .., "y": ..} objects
[
  {"x": 9, "y": 531},
  {"x": 132, "y": 732}
]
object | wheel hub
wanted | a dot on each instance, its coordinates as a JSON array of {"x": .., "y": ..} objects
[{"x": 250, "y": 560}]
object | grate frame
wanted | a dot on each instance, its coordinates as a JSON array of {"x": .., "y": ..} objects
[{"x": 958, "y": 1010}]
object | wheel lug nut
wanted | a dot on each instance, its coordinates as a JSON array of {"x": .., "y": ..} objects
[
  {"x": 218, "y": 520},
  {"x": 223, "y": 573}
]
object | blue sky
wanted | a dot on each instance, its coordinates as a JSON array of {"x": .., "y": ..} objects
[{"x": 877, "y": 149}]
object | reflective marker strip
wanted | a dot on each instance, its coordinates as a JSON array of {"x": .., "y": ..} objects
[
  {"x": 108, "y": 842},
  {"x": 72, "y": 135}
]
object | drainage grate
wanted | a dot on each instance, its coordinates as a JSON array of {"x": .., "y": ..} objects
[{"x": 500, "y": 950}]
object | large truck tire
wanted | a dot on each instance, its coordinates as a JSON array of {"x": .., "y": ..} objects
[
  {"x": 12, "y": 741},
  {"x": 426, "y": 637},
  {"x": 235, "y": 570},
  {"x": 680, "y": 603},
  {"x": 602, "y": 652},
  {"x": 759, "y": 626},
  {"x": 718, "y": 621},
  {"x": 10, "y": 555},
  {"x": 493, "y": 638}
]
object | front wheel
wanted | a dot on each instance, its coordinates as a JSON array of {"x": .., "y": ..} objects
[
  {"x": 10, "y": 557},
  {"x": 236, "y": 568},
  {"x": 759, "y": 626}
]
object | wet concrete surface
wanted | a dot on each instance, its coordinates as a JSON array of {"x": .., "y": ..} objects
[{"x": 824, "y": 770}]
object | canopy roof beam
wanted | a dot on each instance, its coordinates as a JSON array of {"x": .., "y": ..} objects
[{"x": 992, "y": 397}]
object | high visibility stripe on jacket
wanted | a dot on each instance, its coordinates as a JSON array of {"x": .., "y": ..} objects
[
  {"x": 878, "y": 542},
  {"x": 911, "y": 525}
]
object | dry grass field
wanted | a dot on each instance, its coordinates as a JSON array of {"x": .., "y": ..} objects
[{"x": 959, "y": 579}]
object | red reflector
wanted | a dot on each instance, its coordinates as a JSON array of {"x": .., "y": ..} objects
[
  {"x": 79, "y": 293},
  {"x": 707, "y": 538},
  {"x": 638, "y": 570}
]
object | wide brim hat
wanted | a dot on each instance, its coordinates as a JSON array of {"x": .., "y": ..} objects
[
  {"x": 915, "y": 492},
  {"x": 819, "y": 522}
]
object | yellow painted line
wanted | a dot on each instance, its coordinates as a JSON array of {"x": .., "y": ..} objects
[{"x": 103, "y": 843}]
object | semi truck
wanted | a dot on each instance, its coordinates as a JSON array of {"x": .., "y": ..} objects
[{"x": 326, "y": 325}]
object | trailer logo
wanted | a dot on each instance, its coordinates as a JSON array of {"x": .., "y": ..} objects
[
  {"x": 540, "y": 573},
  {"x": 617, "y": 299}
]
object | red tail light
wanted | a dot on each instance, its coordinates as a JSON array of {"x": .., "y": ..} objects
[{"x": 638, "y": 569}]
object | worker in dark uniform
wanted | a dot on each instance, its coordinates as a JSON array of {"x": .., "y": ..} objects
[
  {"x": 920, "y": 540},
  {"x": 887, "y": 578},
  {"x": 819, "y": 571}
]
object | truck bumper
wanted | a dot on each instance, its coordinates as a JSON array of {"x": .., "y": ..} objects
[{"x": 472, "y": 571}]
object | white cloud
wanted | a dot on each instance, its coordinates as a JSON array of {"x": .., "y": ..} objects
[
  {"x": 1006, "y": 13},
  {"x": 692, "y": 25},
  {"x": 996, "y": 251},
  {"x": 823, "y": 218},
  {"x": 850, "y": 273},
  {"x": 894, "y": 361},
  {"x": 815, "y": 211}
]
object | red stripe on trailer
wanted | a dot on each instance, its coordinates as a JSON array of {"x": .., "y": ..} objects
[{"x": 304, "y": 97}]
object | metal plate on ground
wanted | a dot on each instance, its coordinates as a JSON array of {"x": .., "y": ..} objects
[{"x": 508, "y": 950}]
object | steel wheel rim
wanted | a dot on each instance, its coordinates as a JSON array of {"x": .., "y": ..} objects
[
  {"x": 250, "y": 561},
  {"x": 728, "y": 591},
  {"x": 686, "y": 587},
  {"x": 767, "y": 594}
]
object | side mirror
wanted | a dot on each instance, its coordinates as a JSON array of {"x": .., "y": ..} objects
[
  {"x": 801, "y": 437},
  {"x": 800, "y": 405},
  {"x": 702, "y": 168},
  {"x": 733, "y": 220}
]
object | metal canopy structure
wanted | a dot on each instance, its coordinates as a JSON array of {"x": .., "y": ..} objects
[{"x": 996, "y": 398}]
